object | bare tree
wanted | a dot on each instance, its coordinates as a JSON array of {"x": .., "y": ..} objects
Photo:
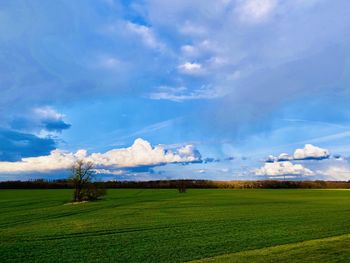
[
  {"x": 181, "y": 186},
  {"x": 82, "y": 176}
]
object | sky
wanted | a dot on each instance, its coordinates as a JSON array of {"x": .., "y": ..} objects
[{"x": 154, "y": 89}]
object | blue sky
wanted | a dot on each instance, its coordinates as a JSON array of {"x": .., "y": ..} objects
[{"x": 175, "y": 89}]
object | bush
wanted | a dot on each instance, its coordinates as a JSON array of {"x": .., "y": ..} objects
[
  {"x": 181, "y": 186},
  {"x": 93, "y": 192}
]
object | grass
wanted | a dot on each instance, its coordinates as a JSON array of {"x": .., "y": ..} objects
[
  {"x": 134, "y": 225},
  {"x": 331, "y": 249}
]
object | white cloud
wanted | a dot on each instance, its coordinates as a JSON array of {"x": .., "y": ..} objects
[
  {"x": 142, "y": 153},
  {"x": 139, "y": 154},
  {"x": 252, "y": 11},
  {"x": 281, "y": 157},
  {"x": 191, "y": 68},
  {"x": 147, "y": 35},
  {"x": 48, "y": 113},
  {"x": 57, "y": 160},
  {"x": 310, "y": 152},
  {"x": 284, "y": 157},
  {"x": 283, "y": 168},
  {"x": 111, "y": 172}
]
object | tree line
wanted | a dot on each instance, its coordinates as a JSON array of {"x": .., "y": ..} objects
[{"x": 174, "y": 184}]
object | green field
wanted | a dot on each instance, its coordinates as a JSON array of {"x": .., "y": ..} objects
[{"x": 165, "y": 226}]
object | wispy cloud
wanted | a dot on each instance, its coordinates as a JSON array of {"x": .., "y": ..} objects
[
  {"x": 253, "y": 11},
  {"x": 321, "y": 123},
  {"x": 331, "y": 137},
  {"x": 147, "y": 35},
  {"x": 179, "y": 94},
  {"x": 154, "y": 127}
]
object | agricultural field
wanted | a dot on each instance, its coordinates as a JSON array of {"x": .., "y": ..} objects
[{"x": 162, "y": 225}]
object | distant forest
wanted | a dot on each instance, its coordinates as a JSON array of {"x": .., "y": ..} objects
[{"x": 266, "y": 184}]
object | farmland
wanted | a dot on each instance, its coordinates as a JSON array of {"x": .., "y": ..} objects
[{"x": 161, "y": 225}]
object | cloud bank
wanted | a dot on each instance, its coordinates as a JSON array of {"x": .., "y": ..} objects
[
  {"x": 141, "y": 153},
  {"x": 337, "y": 172}
]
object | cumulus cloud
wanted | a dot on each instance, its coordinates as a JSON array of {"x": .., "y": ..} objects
[
  {"x": 283, "y": 168},
  {"x": 281, "y": 157},
  {"x": 141, "y": 153},
  {"x": 57, "y": 160},
  {"x": 310, "y": 152}
]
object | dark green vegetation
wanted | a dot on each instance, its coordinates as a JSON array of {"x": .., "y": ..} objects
[
  {"x": 161, "y": 225},
  {"x": 169, "y": 184}
]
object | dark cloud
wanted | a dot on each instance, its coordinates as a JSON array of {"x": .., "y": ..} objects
[
  {"x": 337, "y": 156},
  {"x": 211, "y": 160},
  {"x": 29, "y": 124},
  {"x": 16, "y": 145},
  {"x": 55, "y": 125},
  {"x": 140, "y": 169},
  {"x": 37, "y": 119}
]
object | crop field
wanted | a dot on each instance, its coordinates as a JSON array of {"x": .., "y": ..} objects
[{"x": 202, "y": 225}]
